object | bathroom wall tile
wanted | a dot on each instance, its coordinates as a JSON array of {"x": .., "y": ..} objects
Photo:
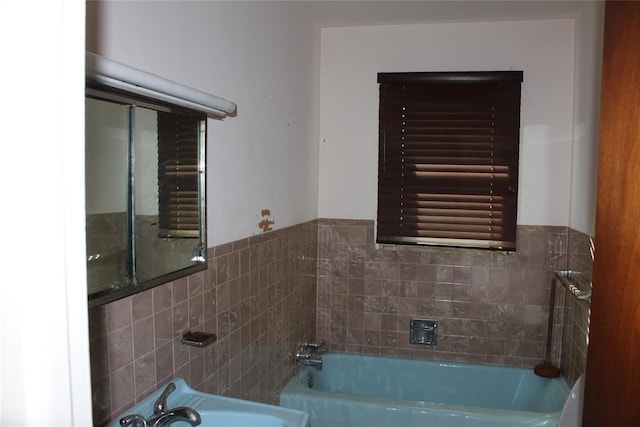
[
  {"x": 180, "y": 318},
  {"x": 485, "y": 301},
  {"x": 143, "y": 337},
  {"x": 389, "y": 322},
  {"x": 144, "y": 369},
  {"x": 480, "y": 274},
  {"x": 426, "y": 290},
  {"x": 195, "y": 311},
  {"x": 326, "y": 280},
  {"x": 258, "y": 295},
  {"x": 221, "y": 250},
  {"x": 354, "y": 335},
  {"x": 101, "y": 400},
  {"x": 196, "y": 284},
  {"x": 182, "y": 372},
  {"x": 120, "y": 351},
  {"x": 407, "y": 306},
  {"x": 99, "y": 348},
  {"x": 196, "y": 368},
  {"x": 118, "y": 314},
  {"x": 161, "y": 297},
  {"x": 536, "y": 314},
  {"x": 98, "y": 321},
  {"x": 179, "y": 290},
  {"x": 122, "y": 388},
  {"x": 181, "y": 355},
  {"x": 209, "y": 303},
  {"x": 164, "y": 361},
  {"x": 163, "y": 325},
  {"x": 371, "y": 338},
  {"x": 141, "y": 305}
]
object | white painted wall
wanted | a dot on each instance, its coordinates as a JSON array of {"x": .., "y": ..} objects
[
  {"x": 351, "y": 58},
  {"x": 588, "y": 77},
  {"x": 262, "y": 55},
  {"x": 44, "y": 337}
]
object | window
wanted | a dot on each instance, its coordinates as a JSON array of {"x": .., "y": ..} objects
[{"x": 448, "y": 158}]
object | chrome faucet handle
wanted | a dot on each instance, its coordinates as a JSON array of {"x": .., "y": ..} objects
[
  {"x": 302, "y": 352},
  {"x": 160, "y": 407},
  {"x": 134, "y": 420},
  {"x": 320, "y": 347}
]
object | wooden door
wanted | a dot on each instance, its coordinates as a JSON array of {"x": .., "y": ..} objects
[{"x": 612, "y": 394}]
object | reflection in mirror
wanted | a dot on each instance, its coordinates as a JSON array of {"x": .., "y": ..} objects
[
  {"x": 144, "y": 195},
  {"x": 106, "y": 179},
  {"x": 167, "y": 192}
]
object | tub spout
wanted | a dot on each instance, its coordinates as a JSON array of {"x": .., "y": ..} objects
[
  {"x": 315, "y": 362},
  {"x": 307, "y": 356}
]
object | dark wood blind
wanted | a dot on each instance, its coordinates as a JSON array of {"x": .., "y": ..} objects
[
  {"x": 178, "y": 175},
  {"x": 448, "y": 158}
]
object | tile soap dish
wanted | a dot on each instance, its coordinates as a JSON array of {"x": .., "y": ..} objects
[{"x": 198, "y": 339}]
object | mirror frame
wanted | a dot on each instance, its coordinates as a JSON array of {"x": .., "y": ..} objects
[{"x": 110, "y": 94}]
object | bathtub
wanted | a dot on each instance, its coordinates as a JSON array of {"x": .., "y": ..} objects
[{"x": 353, "y": 390}]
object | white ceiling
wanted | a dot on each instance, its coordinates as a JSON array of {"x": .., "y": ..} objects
[{"x": 328, "y": 13}]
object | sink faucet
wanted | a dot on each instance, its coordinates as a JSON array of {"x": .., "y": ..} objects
[
  {"x": 162, "y": 416},
  {"x": 160, "y": 406},
  {"x": 181, "y": 413}
]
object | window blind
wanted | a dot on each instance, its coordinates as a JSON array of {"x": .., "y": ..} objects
[
  {"x": 178, "y": 175},
  {"x": 448, "y": 158}
]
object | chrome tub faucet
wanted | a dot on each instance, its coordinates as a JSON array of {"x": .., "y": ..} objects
[
  {"x": 308, "y": 354},
  {"x": 318, "y": 348}
]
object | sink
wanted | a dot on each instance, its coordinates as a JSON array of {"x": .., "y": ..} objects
[
  {"x": 218, "y": 410},
  {"x": 235, "y": 419}
]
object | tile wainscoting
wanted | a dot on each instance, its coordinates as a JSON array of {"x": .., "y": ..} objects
[
  {"x": 491, "y": 306},
  {"x": 258, "y": 295},
  {"x": 575, "y": 330},
  {"x": 326, "y": 279}
]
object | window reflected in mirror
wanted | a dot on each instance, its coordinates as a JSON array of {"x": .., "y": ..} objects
[{"x": 145, "y": 199}]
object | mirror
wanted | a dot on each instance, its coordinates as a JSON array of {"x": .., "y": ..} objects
[{"x": 145, "y": 193}]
